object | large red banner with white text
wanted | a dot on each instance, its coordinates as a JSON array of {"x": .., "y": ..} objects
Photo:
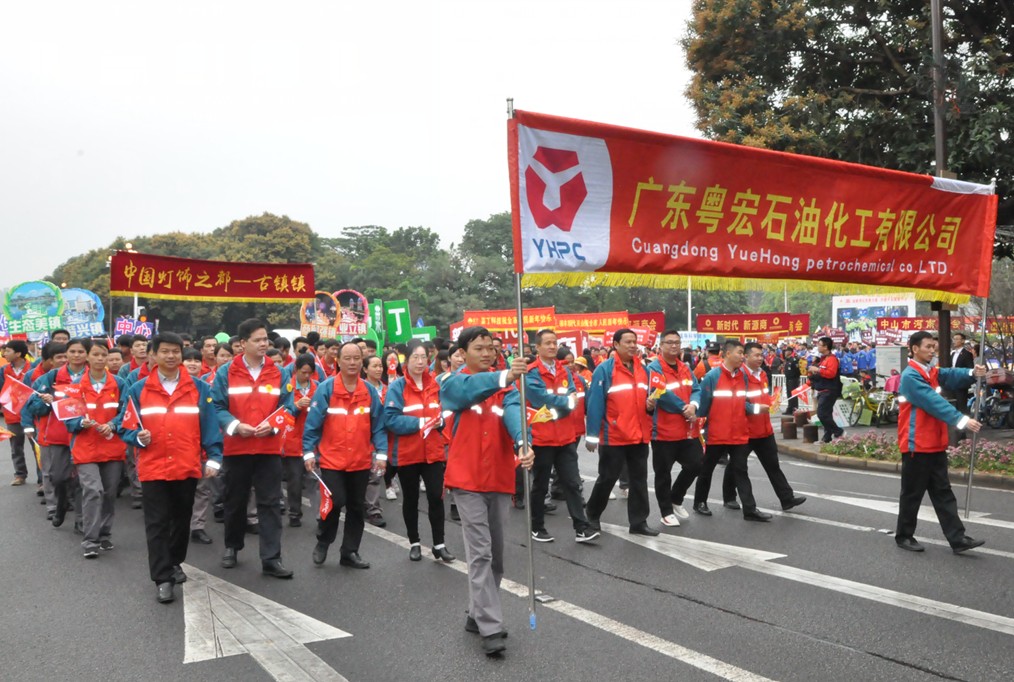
[
  {"x": 601, "y": 204},
  {"x": 780, "y": 324}
]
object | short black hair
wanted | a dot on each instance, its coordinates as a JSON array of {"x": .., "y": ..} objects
[
  {"x": 186, "y": 337},
  {"x": 53, "y": 348},
  {"x": 18, "y": 346},
  {"x": 281, "y": 343},
  {"x": 223, "y": 346},
  {"x": 248, "y": 327},
  {"x": 205, "y": 339},
  {"x": 191, "y": 353},
  {"x": 619, "y": 333},
  {"x": 827, "y": 342},
  {"x": 331, "y": 343},
  {"x": 83, "y": 341},
  {"x": 751, "y": 345},
  {"x": 301, "y": 339},
  {"x": 441, "y": 343},
  {"x": 669, "y": 332},
  {"x": 273, "y": 352},
  {"x": 371, "y": 344},
  {"x": 916, "y": 339},
  {"x": 304, "y": 360},
  {"x": 470, "y": 334},
  {"x": 313, "y": 338},
  {"x": 562, "y": 352},
  {"x": 166, "y": 338},
  {"x": 125, "y": 340},
  {"x": 732, "y": 343},
  {"x": 139, "y": 337},
  {"x": 542, "y": 332},
  {"x": 59, "y": 331},
  {"x": 115, "y": 349}
]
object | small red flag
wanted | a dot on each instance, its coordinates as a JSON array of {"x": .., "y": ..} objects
[
  {"x": 131, "y": 419},
  {"x": 5, "y": 434},
  {"x": 429, "y": 425},
  {"x": 326, "y": 503},
  {"x": 280, "y": 419},
  {"x": 69, "y": 408},
  {"x": 656, "y": 382},
  {"x": 14, "y": 395},
  {"x": 801, "y": 390}
]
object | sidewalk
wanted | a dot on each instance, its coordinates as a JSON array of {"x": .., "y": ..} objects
[{"x": 810, "y": 452}]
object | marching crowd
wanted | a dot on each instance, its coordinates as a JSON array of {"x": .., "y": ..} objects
[{"x": 238, "y": 428}]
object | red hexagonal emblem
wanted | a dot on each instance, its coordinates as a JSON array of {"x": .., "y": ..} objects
[{"x": 559, "y": 171}]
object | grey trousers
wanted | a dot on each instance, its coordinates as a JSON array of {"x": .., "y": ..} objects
[
  {"x": 202, "y": 500},
  {"x": 62, "y": 477},
  {"x": 483, "y": 517},
  {"x": 98, "y": 500},
  {"x": 131, "y": 465},
  {"x": 47, "y": 485},
  {"x": 374, "y": 490}
]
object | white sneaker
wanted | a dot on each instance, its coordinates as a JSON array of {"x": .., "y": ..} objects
[
  {"x": 670, "y": 520},
  {"x": 612, "y": 495},
  {"x": 391, "y": 494},
  {"x": 681, "y": 512}
]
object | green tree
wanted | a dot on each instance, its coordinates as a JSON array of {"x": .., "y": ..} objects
[{"x": 852, "y": 80}]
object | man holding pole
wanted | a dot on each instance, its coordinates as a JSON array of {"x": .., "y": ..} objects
[
  {"x": 923, "y": 418},
  {"x": 486, "y": 436}
]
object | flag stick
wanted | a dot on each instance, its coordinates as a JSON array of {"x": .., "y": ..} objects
[
  {"x": 322, "y": 483},
  {"x": 524, "y": 437},
  {"x": 978, "y": 410}
]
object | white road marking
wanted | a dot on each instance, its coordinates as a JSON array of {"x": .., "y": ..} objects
[
  {"x": 674, "y": 651},
  {"x": 879, "y": 474},
  {"x": 926, "y": 513},
  {"x": 222, "y": 619},
  {"x": 710, "y": 556}
]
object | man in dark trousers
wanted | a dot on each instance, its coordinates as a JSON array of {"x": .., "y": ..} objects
[
  {"x": 961, "y": 358},
  {"x": 825, "y": 377},
  {"x": 923, "y": 418},
  {"x": 790, "y": 367}
]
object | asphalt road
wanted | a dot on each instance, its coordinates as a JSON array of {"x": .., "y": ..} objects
[{"x": 623, "y": 610}]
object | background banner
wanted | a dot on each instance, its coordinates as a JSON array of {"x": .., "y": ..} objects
[
  {"x": 501, "y": 320},
  {"x": 601, "y": 204},
  {"x": 782, "y": 324},
  {"x": 207, "y": 280}
]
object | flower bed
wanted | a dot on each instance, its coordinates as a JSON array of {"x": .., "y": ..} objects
[{"x": 990, "y": 456}]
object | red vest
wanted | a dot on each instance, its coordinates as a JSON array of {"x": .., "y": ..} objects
[
  {"x": 174, "y": 452},
  {"x": 759, "y": 393},
  {"x": 481, "y": 455},
  {"x": 251, "y": 402},
  {"x": 88, "y": 446},
  {"x": 52, "y": 431},
  {"x": 930, "y": 433},
  {"x": 413, "y": 448},
  {"x": 670, "y": 426},
  {"x": 558, "y": 431},
  {"x": 727, "y": 423},
  {"x": 294, "y": 434},
  {"x": 346, "y": 442},
  {"x": 628, "y": 419},
  {"x": 577, "y": 415},
  {"x": 22, "y": 376}
]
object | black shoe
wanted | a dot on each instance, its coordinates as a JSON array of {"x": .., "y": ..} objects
[
  {"x": 493, "y": 645},
  {"x": 732, "y": 504},
  {"x": 39, "y": 492},
  {"x": 702, "y": 509},
  {"x": 455, "y": 516},
  {"x": 295, "y": 522},
  {"x": 106, "y": 545},
  {"x": 756, "y": 515},
  {"x": 594, "y": 525},
  {"x": 164, "y": 593},
  {"x": 136, "y": 504},
  {"x": 587, "y": 535},
  {"x": 353, "y": 561},
  {"x": 253, "y": 529},
  {"x": 275, "y": 569},
  {"x": 179, "y": 577},
  {"x": 78, "y": 528},
  {"x": 443, "y": 555},
  {"x": 643, "y": 529},
  {"x": 966, "y": 544},
  {"x": 794, "y": 502},
  {"x": 549, "y": 508},
  {"x": 91, "y": 554},
  {"x": 376, "y": 520},
  {"x": 49, "y": 514},
  {"x": 542, "y": 535},
  {"x": 219, "y": 516},
  {"x": 519, "y": 502},
  {"x": 415, "y": 553},
  {"x": 229, "y": 558},
  {"x": 909, "y": 544},
  {"x": 723, "y": 460},
  {"x": 473, "y": 627},
  {"x": 200, "y": 537},
  {"x": 320, "y": 553},
  {"x": 59, "y": 515}
]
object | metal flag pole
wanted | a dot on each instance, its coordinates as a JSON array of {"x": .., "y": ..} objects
[
  {"x": 524, "y": 436},
  {"x": 978, "y": 410}
]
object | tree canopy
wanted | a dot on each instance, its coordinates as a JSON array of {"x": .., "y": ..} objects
[{"x": 853, "y": 80}]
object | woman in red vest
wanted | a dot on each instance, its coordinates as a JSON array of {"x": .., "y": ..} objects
[
  {"x": 417, "y": 446},
  {"x": 98, "y": 455},
  {"x": 304, "y": 385}
]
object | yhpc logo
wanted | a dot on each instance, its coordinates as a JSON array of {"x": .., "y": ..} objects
[
  {"x": 565, "y": 184},
  {"x": 554, "y": 177}
]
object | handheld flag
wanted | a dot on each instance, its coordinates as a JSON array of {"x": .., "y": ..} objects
[
  {"x": 69, "y": 408},
  {"x": 429, "y": 425},
  {"x": 326, "y": 501},
  {"x": 5, "y": 434},
  {"x": 14, "y": 395},
  {"x": 392, "y": 369},
  {"x": 776, "y": 401},
  {"x": 539, "y": 416},
  {"x": 280, "y": 419},
  {"x": 131, "y": 419},
  {"x": 657, "y": 386},
  {"x": 803, "y": 392}
]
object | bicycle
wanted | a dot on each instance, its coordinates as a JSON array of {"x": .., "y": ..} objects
[{"x": 881, "y": 405}]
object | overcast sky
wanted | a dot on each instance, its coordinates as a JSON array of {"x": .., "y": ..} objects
[{"x": 130, "y": 118}]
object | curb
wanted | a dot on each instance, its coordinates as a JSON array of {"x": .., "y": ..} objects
[{"x": 957, "y": 476}]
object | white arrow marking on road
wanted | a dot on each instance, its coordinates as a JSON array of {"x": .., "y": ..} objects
[
  {"x": 223, "y": 619},
  {"x": 710, "y": 556}
]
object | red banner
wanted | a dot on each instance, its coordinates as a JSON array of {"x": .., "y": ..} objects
[
  {"x": 914, "y": 324},
  {"x": 782, "y": 324},
  {"x": 600, "y": 204},
  {"x": 653, "y": 321},
  {"x": 592, "y": 322},
  {"x": 208, "y": 280},
  {"x": 535, "y": 318}
]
